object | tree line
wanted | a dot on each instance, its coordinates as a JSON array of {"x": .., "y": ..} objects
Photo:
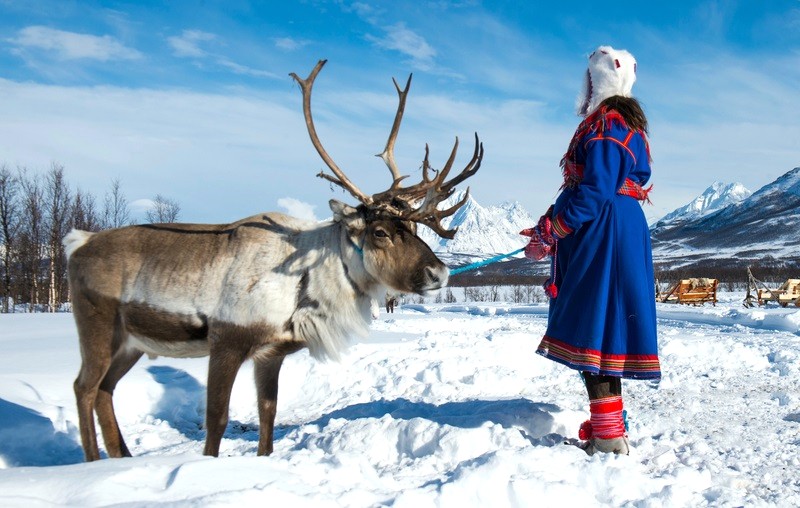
[{"x": 36, "y": 211}]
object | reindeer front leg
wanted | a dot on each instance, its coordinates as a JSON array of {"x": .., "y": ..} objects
[
  {"x": 266, "y": 373},
  {"x": 224, "y": 362}
]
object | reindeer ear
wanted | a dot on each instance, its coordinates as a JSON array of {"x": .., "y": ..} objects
[
  {"x": 342, "y": 211},
  {"x": 350, "y": 217}
]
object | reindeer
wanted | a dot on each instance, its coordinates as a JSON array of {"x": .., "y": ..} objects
[{"x": 260, "y": 288}]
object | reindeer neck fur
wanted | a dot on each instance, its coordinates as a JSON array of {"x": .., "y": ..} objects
[{"x": 334, "y": 303}]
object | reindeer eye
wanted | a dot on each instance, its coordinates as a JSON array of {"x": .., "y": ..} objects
[{"x": 381, "y": 233}]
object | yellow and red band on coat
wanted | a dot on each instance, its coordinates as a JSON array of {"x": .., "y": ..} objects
[{"x": 593, "y": 360}]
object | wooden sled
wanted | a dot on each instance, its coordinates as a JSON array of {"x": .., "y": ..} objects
[
  {"x": 694, "y": 291},
  {"x": 787, "y": 294}
]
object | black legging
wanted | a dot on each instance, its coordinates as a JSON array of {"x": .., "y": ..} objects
[{"x": 599, "y": 386}]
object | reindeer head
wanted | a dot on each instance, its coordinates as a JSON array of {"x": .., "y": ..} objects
[{"x": 383, "y": 226}]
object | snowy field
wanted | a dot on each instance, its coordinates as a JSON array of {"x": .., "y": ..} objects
[{"x": 443, "y": 405}]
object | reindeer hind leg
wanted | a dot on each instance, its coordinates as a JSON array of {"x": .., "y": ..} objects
[{"x": 96, "y": 332}]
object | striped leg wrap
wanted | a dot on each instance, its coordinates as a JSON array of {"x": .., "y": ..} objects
[{"x": 606, "y": 419}]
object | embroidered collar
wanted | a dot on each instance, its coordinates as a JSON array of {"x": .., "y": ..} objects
[{"x": 598, "y": 121}]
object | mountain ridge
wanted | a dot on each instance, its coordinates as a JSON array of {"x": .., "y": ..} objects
[
  {"x": 716, "y": 197},
  {"x": 762, "y": 227}
]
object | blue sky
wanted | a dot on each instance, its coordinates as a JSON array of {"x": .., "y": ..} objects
[{"x": 193, "y": 99}]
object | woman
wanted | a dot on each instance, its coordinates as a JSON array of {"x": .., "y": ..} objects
[{"x": 602, "y": 318}]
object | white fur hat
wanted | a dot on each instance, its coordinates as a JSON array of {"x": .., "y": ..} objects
[{"x": 611, "y": 72}]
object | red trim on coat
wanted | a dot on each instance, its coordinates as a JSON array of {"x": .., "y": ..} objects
[
  {"x": 620, "y": 143},
  {"x": 560, "y": 228},
  {"x": 594, "y": 360},
  {"x": 634, "y": 190}
]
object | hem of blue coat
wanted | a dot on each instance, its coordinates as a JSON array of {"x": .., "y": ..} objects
[{"x": 626, "y": 374}]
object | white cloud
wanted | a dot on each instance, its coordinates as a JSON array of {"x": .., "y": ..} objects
[
  {"x": 299, "y": 209},
  {"x": 188, "y": 43},
  {"x": 716, "y": 17},
  {"x": 289, "y": 43},
  {"x": 140, "y": 206},
  {"x": 364, "y": 11},
  {"x": 245, "y": 70},
  {"x": 400, "y": 38},
  {"x": 222, "y": 157},
  {"x": 73, "y": 46}
]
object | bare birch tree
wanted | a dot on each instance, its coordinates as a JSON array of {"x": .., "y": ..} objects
[
  {"x": 31, "y": 238},
  {"x": 9, "y": 227},
  {"x": 164, "y": 210},
  {"x": 116, "y": 212},
  {"x": 84, "y": 214},
  {"x": 57, "y": 216}
]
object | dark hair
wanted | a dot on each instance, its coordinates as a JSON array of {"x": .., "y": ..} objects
[{"x": 630, "y": 109}]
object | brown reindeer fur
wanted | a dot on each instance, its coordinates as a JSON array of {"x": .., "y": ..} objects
[{"x": 261, "y": 288}]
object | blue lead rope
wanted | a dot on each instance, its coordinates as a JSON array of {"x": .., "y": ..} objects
[{"x": 485, "y": 262}]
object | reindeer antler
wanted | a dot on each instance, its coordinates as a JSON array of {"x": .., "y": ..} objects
[
  {"x": 388, "y": 153},
  {"x": 340, "y": 179},
  {"x": 419, "y": 202},
  {"x": 423, "y": 199}
]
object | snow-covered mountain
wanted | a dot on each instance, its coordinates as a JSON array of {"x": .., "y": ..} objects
[
  {"x": 764, "y": 228},
  {"x": 716, "y": 197},
  {"x": 482, "y": 231}
]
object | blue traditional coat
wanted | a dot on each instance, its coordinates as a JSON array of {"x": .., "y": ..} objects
[{"x": 603, "y": 319}]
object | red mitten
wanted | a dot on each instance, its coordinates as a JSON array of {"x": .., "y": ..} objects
[
  {"x": 542, "y": 239},
  {"x": 537, "y": 249},
  {"x": 545, "y": 229}
]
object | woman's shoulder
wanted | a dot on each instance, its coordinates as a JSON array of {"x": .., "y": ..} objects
[
  {"x": 612, "y": 126},
  {"x": 612, "y": 132}
]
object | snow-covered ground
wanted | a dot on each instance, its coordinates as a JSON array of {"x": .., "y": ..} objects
[{"x": 443, "y": 405}]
